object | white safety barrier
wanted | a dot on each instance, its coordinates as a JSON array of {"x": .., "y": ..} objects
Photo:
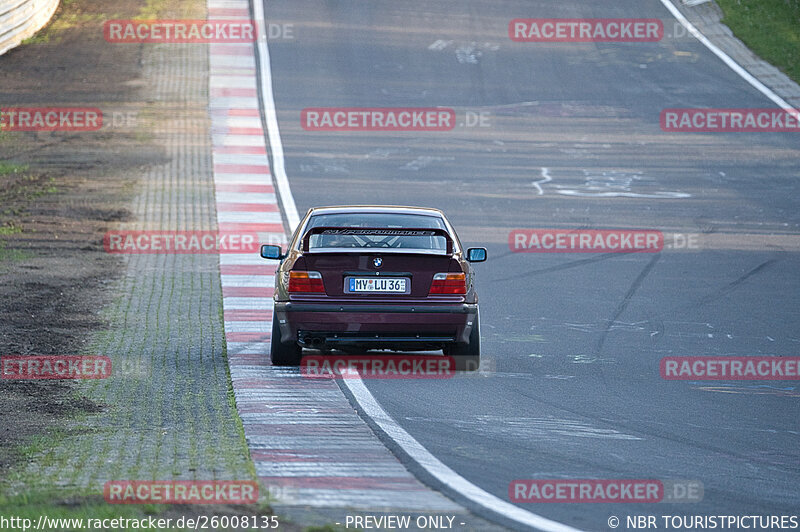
[{"x": 19, "y": 19}]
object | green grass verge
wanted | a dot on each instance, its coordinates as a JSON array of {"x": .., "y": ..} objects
[
  {"x": 7, "y": 168},
  {"x": 17, "y": 184},
  {"x": 18, "y": 187},
  {"x": 11, "y": 255},
  {"x": 770, "y": 28}
]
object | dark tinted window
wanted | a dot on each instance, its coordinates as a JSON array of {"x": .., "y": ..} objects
[{"x": 378, "y": 220}]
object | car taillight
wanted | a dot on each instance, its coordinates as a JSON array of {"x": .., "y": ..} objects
[
  {"x": 449, "y": 283},
  {"x": 309, "y": 282}
]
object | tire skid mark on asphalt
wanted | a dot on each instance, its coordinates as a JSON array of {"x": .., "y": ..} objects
[
  {"x": 625, "y": 301},
  {"x": 725, "y": 290}
]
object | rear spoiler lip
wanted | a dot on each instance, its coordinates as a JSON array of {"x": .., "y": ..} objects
[
  {"x": 377, "y": 251},
  {"x": 409, "y": 231}
]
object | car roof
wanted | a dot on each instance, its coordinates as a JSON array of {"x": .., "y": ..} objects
[{"x": 379, "y": 209}]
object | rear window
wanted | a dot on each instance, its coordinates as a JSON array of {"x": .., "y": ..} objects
[{"x": 377, "y": 220}]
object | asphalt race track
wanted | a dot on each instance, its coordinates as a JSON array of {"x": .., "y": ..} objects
[
  {"x": 131, "y": 241},
  {"x": 570, "y": 138}
]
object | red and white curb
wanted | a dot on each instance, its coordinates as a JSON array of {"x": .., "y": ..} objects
[{"x": 309, "y": 446}]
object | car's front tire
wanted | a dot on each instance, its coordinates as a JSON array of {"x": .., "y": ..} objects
[
  {"x": 283, "y": 354},
  {"x": 467, "y": 356}
]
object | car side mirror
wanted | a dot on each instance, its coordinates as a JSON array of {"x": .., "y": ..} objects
[
  {"x": 476, "y": 254},
  {"x": 272, "y": 252}
]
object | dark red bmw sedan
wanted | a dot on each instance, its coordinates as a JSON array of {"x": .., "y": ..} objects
[{"x": 375, "y": 277}]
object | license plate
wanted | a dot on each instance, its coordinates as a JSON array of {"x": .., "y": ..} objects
[{"x": 379, "y": 284}]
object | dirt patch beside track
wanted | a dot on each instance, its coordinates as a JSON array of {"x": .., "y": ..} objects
[
  {"x": 166, "y": 410},
  {"x": 58, "y": 193}
]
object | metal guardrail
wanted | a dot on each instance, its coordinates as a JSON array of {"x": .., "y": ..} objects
[{"x": 20, "y": 19}]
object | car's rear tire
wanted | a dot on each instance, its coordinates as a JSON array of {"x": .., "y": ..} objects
[
  {"x": 467, "y": 356},
  {"x": 283, "y": 354}
]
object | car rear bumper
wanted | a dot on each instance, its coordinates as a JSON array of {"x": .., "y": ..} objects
[{"x": 401, "y": 326}]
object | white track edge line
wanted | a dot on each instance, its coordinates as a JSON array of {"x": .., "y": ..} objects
[
  {"x": 273, "y": 133},
  {"x": 439, "y": 470},
  {"x": 728, "y": 60},
  {"x": 365, "y": 399}
]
